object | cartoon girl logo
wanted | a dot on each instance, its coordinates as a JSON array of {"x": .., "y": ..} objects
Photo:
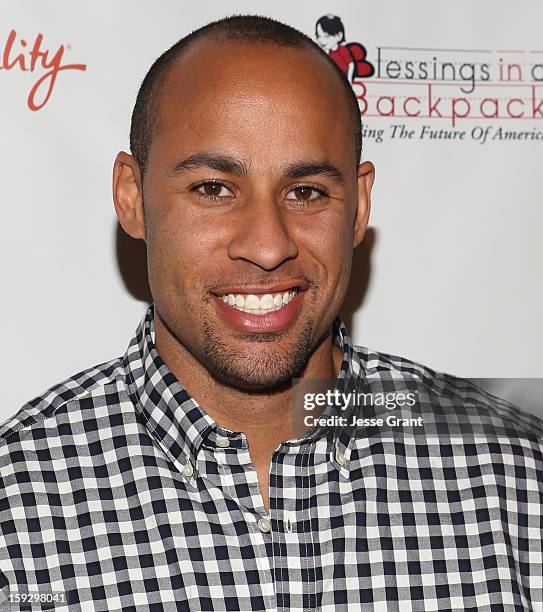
[{"x": 349, "y": 57}]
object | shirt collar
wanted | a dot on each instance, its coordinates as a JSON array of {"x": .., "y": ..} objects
[
  {"x": 168, "y": 410},
  {"x": 177, "y": 420},
  {"x": 351, "y": 377}
]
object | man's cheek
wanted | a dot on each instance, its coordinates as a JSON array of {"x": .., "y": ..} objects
[
  {"x": 334, "y": 247},
  {"x": 203, "y": 229}
]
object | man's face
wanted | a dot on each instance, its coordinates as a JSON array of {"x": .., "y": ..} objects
[{"x": 250, "y": 195}]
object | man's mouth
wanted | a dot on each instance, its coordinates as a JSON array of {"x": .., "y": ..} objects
[
  {"x": 259, "y": 304},
  {"x": 260, "y": 310}
]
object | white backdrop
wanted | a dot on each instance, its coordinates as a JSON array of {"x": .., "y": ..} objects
[{"x": 456, "y": 261}]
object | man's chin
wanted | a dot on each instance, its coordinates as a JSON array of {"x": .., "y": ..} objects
[
  {"x": 252, "y": 383},
  {"x": 248, "y": 364}
]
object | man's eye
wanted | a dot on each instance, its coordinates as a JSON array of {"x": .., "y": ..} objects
[
  {"x": 213, "y": 190},
  {"x": 305, "y": 193}
]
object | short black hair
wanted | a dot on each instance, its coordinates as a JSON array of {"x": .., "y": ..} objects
[
  {"x": 331, "y": 24},
  {"x": 246, "y": 28}
]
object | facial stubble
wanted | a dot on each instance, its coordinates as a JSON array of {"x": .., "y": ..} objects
[{"x": 273, "y": 368}]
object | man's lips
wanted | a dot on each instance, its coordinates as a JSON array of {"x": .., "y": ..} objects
[{"x": 271, "y": 313}]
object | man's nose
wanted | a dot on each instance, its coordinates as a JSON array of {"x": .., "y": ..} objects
[{"x": 261, "y": 235}]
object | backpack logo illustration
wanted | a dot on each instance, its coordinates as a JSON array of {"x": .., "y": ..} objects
[{"x": 349, "y": 57}]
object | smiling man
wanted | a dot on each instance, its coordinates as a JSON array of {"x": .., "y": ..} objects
[
  {"x": 174, "y": 477},
  {"x": 249, "y": 228}
]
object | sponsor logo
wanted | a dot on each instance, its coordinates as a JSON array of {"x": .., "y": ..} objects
[
  {"x": 456, "y": 92},
  {"x": 23, "y": 55}
]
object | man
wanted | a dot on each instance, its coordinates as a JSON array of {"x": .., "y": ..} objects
[{"x": 174, "y": 477}]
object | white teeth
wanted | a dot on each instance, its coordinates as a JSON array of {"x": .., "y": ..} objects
[
  {"x": 251, "y": 301},
  {"x": 266, "y": 302},
  {"x": 259, "y": 304}
]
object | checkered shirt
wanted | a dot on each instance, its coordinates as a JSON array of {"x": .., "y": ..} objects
[{"x": 119, "y": 490}]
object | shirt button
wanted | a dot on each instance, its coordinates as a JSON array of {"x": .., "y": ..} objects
[
  {"x": 264, "y": 525},
  {"x": 188, "y": 471},
  {"x": 222, "y": 442},
  {"x": 340, "y": 458}
]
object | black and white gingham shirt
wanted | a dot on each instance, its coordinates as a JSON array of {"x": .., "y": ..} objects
[{"x": 117, "y": 489}]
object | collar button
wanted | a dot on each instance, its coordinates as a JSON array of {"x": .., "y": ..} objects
[
  {"x": 222, "y": 442},
  {"x": 188, "y": 471},
  {"x": 340, "y": 458}
]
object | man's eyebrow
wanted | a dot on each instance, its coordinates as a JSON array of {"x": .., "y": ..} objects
[
  {"x": 234, "y": 165},
  {"x": 314, "y": 168},
  {"x": 222, "y": 163}
]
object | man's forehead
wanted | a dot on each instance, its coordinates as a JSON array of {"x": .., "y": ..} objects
[
  {"x": 253, "y": 98},
  {"x": 209, "y": 64}
]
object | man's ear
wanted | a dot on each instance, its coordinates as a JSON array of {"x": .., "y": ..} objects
[
  {"x": 127, "y": 195},
  {"x": 366, "y": 176}
]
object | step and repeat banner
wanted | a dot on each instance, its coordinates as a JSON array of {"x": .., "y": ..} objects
[{"x": 451, "y": 100}]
